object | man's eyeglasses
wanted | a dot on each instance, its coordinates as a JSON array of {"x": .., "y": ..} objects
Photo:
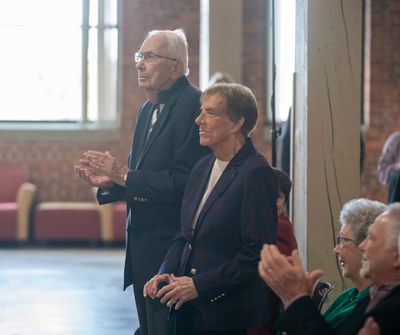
[
  {"x": 149, "y": 57},
  {"x": 341, "y": 239}
]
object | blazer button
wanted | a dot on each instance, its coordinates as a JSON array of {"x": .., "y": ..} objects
[
  {"x": 190, "y": 246},
  {"x": 193, "y": 271},
  {"x": 135, "y": 198}
]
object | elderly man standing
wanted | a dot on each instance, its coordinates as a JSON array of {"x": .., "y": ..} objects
[
  {"x": 381, "y": 264},
  {"x": 164, "y": 149}
]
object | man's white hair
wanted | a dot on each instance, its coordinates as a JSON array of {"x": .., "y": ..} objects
[
  {"x": 177, "y": 45},
  {"x": 398, "y": 246},
  {"x": 393, "y": 212}
]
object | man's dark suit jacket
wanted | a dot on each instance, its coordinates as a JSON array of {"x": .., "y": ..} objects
[
  {"x": 302, "y": 317},
  {"x": 394, "y": 187},
  {"x": 222, "y": 255},
  {"x": 159, "y": 166}
]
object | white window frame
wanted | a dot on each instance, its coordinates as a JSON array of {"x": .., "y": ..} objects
[
  {"x": 279, "y": 23},
  {"x": 81, "y": 129}
]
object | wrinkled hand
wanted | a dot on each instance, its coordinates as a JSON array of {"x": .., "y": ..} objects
[
  {"x": 105, "y": 164},
  {"x": 100, "y": 161},
  {"x": 370, "y": 327},
  {"x": 152, "y": 286},
  {"x": 179, "y": 291},
  {"x": 285, "y": 275},
  {"x": 84, "y": 173}
]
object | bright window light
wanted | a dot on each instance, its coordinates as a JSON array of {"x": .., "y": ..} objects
[
  {"x": 52, "y": 63},
  {"x": 285, "y": 20}
]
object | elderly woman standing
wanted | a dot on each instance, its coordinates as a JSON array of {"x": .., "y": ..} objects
[{"x": 209, "y": 275}]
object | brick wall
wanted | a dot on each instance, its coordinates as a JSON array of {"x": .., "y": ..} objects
[
  {"x": 51, "y": 162},
  {"x": 383, "y": 58},
  {"x": 254, "y": 65}
]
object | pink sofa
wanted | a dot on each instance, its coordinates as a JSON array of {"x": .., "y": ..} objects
[
  {"x": 113, "y": 221},
  {"x": 112, "y": 217},
  {"x": 67, "y": 221},
  {"x": 80, "y": 221},
  {"x": 16, "y": 200}
]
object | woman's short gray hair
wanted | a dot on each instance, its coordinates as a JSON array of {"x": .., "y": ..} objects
[
  {"x": 240, "y": 102},
  {"x": 359, "y": 214},
  {"x": 177, "y": 45}
]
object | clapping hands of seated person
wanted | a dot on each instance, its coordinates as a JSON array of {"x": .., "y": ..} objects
[
  {"x": 370, "y": 327},
  {"x": 285, "y": 275},
  {"x": 171, "y": 290},
  {"x": 100, "y": 169}
]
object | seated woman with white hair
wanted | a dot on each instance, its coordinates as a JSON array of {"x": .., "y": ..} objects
[{"x": 355, "y": 218}]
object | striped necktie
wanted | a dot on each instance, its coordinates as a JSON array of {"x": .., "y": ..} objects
[{"x": 154, "y": 117}]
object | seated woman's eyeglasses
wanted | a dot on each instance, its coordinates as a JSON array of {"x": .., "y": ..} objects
[
  {"x": 341, "y": 239},
  {"x": 149, "y": 57}
]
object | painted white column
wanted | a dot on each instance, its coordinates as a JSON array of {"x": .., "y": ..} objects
[
  {"x": 224, "y": 28},
  {"x": 326, "y": 125}
]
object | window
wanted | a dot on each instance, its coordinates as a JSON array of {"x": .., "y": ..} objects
[
  {"x": 285, "y": 20},
  {"x": 58, "y": 60},
  {"x": 204, "y": 43}
]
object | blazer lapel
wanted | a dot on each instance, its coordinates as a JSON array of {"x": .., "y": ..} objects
[
  {"x": 156, "y": 129},
  {"x": 224, "y": 181},
  {"x": 222, "y": 184},
  {"x": 140, "y": 136},
  {"x": 158, "y": 126},
  {"x": 198, "y": 195}
]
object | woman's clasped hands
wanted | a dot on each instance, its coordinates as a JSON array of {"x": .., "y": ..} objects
[{"x": 172, "y": 290}]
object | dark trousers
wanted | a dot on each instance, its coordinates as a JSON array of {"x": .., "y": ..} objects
[
  {"x": 394, "y": 187},
  {"x": 153, "y": 316},
  {"x": 185, "y": 324}
]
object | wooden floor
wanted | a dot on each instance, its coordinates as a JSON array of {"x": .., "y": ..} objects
[{"x": 64, "y": 291}]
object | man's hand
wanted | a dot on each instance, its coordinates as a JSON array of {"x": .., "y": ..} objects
[
  {"x": 285, "y": 275},
  {"x": 84, "y": 173},
  {"x": 179, "y": 291},
  {"x": 103, "y": 164}
]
